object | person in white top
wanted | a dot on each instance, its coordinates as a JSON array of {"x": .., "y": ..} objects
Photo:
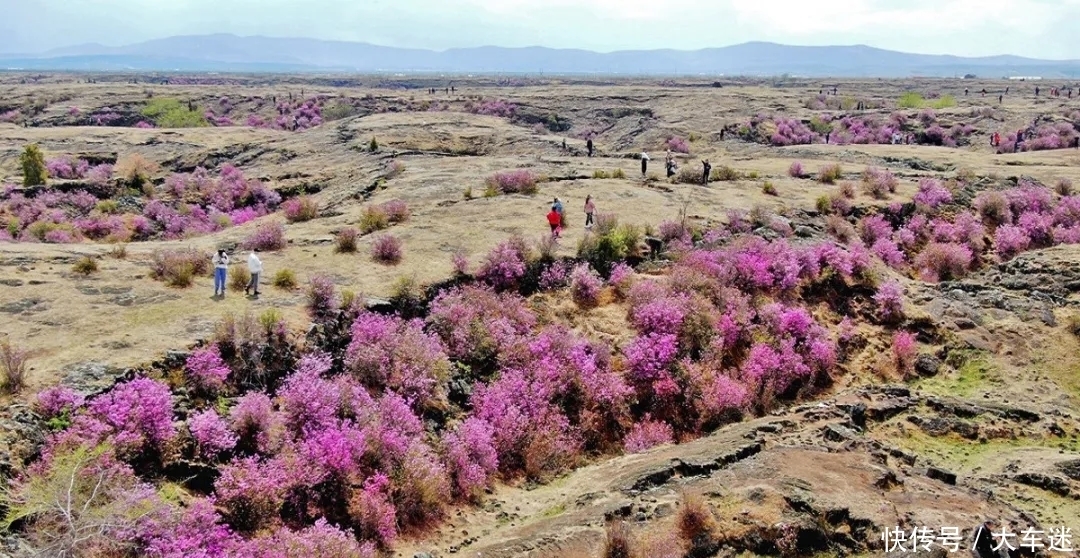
[
  {"x": 255, "y": 267},
  {"x": 221, "y": 265},
  {"x": 644, "y": 162}
]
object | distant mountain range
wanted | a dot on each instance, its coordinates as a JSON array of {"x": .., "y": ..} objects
[{"x": 230, "y": 53}]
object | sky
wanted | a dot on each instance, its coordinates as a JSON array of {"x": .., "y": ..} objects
[{"x": 1035, "y": 28}]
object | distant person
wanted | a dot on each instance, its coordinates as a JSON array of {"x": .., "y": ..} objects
[
  {"x": 555, "y": 221},
  {"x": 1076, "y": 142},
  {"x": 722, "y": 132},
  {"x": 965, "y": 92},
  {"x": 564, "y": 144},
  {"x": 557, "y": 206},
  {"x": 984, "y": 92},
  {"x": 1019, "y": 141},
  {"x": 221, "y": 266},
  {"x": 669, "y": 165},
  {"x": 1036, "y": 91},
  {"x": 255, "y": 267},
  {"x": 834, "y": 91},
  {"x": 453, "y": 89},
  {"x": 827, "y": 134},
  {"x": 590, "y": 210},
  {"x": 707, "y": 168},
  {"x": 1006, "y": 90},
  {"x": 589, "y": 146},
  {"x": 644, "y": 163},
  {"x": 1001, "y": 99}
]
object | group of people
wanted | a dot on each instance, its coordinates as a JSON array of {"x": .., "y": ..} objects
[
  {"x": 221, "y": 269},
  {"x": 556, "y": 220}
]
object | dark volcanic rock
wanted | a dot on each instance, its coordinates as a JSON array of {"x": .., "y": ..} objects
[
  {"x": 91, "y": 378},
  {"x": 1056, "y": 485},
  {"x": 927, "y": 365},
  {"x": 941, "y": 475}
]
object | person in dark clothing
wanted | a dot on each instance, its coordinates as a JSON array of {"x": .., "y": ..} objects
[
  {"x": 644, "y": 163},
  {"x": 722, "y": 132},
  {"x": 1019, "y": 141},
  {"x": 965, "y": 92},
  {"x": 564, "y": 144},
  {"x": 1036, "y": 91},
  {"x": 1000, "y": 98},
  {"x": 589, "y": 146},
  {"x": 708, "y": 169},
  {"x": 834, "y": 91},
  {"x": 1076, "y": 142},
  {"x": 827, "y": 134},
  {"x": 669, "y": 164}
]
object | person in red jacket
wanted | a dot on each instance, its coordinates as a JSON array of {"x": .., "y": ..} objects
[{"x": 555, "y": 220}]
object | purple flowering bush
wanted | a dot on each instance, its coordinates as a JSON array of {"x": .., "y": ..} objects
[{"x": 206, "y": 369}]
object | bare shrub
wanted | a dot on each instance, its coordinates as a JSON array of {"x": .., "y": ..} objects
[
  {"x": 13, "y": 365},
  {"x": 179, "y": 267},
  {"x": 285, "y": 279},
  {"x": 345, "y": 240},
  {"x": 829, "y": 174},
  {"x": 694, "y": 518},
  {"x": 619, "y": 543},
  {"x": 239, "y": 278}
]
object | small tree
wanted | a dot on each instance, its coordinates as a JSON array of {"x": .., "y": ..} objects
[
  {"x": 373, "y": 146},
  {"x": 33, "y": 166}
]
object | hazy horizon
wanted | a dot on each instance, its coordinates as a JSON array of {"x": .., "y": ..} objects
[{"x": 1032, "y": 28}]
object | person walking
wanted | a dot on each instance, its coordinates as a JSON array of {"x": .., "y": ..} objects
[
  {"x": 708, "y": 169},
  {"x": 590, "y": 210},
  {"x": 255, "y": 267},
  {"x": 221, "y": 266},
  {"x": 589, "y": 145},
  {"x": 644, "y": 163},
  {"x": 555, "y": 221}
]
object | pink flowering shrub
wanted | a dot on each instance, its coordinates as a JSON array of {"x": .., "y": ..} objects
[
  {"x": 943, "y": 261},
  {"x": 504, "y": 266},
  {"x": 520, "y": 181},
  {"x": 397, "y": 211},
  {"x": 471, "y": 457},
  {"x": 1010, "y": 240},
  {"x": 890, "y": 301},
  {"x": 373, "y": 511},
  {"x": 904, "y": 350},
  {"x": 321, "y": 300},
  {"x": 386, "y": 250},
  {"x": 796, "y": 170},
  {"x": 321, "y": 539},
  {"x": 267, "y": 237},
  {"x": 195, "y": 531},
  {"x": 135, "y": 416},
  {"x": 300, "y": 209},
  {"x": 555, "y": 276},
  {"x": 309, "y": 401},
  {"x": 585, "y": 286},
  {"x": 888, "y": 252},
  {"x": 993, "y": 207},
  {"x": 475, "y": 323},
  {"x": 206, "y": 369},
  {"x": 460, "y": 261},
  {"x": 251, "y": 491},
  {"x": 622, "y": 279},
  {"x": 931, "y": 195},
  {"x": 648, "y": 434},
  {"x": 677, "y": 144},
  {"x": 211, "y": 434},
  {"x": 495, "y": 107},
  {"x": 391, "y": 353},
  {"x": 57, "y": 401},
  {"x": 253, "y": 420},
  {"x": 873, "y": 228}
]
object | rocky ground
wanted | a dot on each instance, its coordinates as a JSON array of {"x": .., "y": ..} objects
[{"x": 988, "y": 430}]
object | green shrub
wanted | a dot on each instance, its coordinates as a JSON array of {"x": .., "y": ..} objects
[
  {"x": 239, "y": 278},
  {"x": 753, "y": 175},
  {"x": 618, "y": 173},
  {"x": 724, "y": 173},
  {"x": 32, "y": 161},
  {"x": 600, "y": 174},
  {"x": 373, "y": 145},
  {"x": 467, "y": 194},
  {"x": 85, "y": 266},
  {"x": 171, "y": 113},
  {"x": 108, "y": 207},
  {"x": 768, "y": 189},
  {"x": 285, "y": 279},
  {"x": 910, "y": 100},
  {"x": 823, "y": 205},
  {"x": 945, "y": 101},
  {"x": 374, "y": 219},
  {"x": 611, "y": 243}
]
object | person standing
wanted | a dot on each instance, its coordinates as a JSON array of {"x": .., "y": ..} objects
[
  {"x": 221, "y": 266},
  {"x": 590, "y": 210},
  {"x": 644, "y": 163},
  {"x": 255, "y": 267},
  {"x": 708, "y": 169},
  {"x": 589, "y": 145}
]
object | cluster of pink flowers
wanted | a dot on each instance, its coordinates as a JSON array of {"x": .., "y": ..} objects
[
  {"x": 521, "y": 181},
  {"x": 504, "y": 266},
  {"x": 677, "y": 144},
  {"x": 783, "y": 131},
  {"x": 494, "y": 107},
  {"x": 196, "y": 204},
  {"x": 1060, "y": 135},
  {"x": 206, "y": 368}
]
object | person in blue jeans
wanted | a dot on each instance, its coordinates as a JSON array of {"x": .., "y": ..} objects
[{"x": 221, "y": 265}]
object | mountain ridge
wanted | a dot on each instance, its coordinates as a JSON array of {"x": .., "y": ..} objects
[{"x": 227, "y": 52}]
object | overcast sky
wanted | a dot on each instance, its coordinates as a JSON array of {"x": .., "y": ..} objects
[{"x": 1036, "y": 28}]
